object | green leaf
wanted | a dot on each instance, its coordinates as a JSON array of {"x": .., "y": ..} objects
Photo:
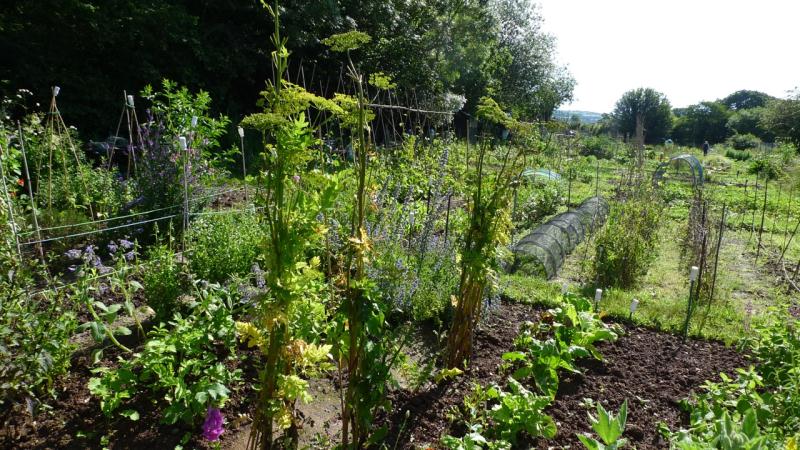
[
  {"x": 514, "y": 356},
  {"x": 130, "y": 414},
  {"x": 97, "y": 333},
  {"x": 750, "y": 425},
  {"x": 123, "y": 331},
  {"x": 218, "y": 391},
  {"x": 588, "y": 442},
  {"x": 97, "y": 355},
  {"x": 608, "y": 427}
]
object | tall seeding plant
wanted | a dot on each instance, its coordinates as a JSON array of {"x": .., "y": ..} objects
[
  {"x": 291, "y": 205},
  {"x": 365, "y": 345},
  {"x": 497, "y": 169}
]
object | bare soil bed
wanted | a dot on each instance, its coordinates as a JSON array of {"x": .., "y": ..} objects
[{"x": 652, "y": 370}]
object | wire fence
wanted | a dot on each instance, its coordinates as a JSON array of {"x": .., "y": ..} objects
[{"x": 397, "y": 115}]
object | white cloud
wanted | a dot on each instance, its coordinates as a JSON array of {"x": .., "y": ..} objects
[{"x": 690, "y": 50}]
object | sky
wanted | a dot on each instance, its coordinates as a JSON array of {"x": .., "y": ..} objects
[{"x": 689, "y": 50}]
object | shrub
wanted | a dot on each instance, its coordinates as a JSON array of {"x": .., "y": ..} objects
[
  {"x": 537, "y": 200},
  {"x": 717, "y": 163},
  {"x": 163, "y": 281},
  {"x": 738, "y": 155},
  {"x": 626, "y": 246},
  {"x": 222, "y": 245},
  {"x": 161, "y": 162},
  {"x": 601, "y": 147},
  {"x": 35, "y": 334},
  {"x": 765, "y": 167},
  {"x": 743, "y": 141}
]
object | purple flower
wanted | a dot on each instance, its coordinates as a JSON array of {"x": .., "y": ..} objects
[
  {"x": 296, "y": 178},
  {"x": 73, "y": 254},
  {"x": 129, "y": 256},
  {"x": 212, "y": 427},
  {"x": 112, "y": 247}
]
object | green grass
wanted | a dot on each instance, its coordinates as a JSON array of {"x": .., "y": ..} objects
[{"x": 663, "y": 292}]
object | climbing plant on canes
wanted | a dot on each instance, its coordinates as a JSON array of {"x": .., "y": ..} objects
[{"x": 489, "y": 223}]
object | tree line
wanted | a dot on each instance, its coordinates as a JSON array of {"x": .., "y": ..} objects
[
  {"x": 743, "y": 119},
  {"x": 433, "y": 49}
]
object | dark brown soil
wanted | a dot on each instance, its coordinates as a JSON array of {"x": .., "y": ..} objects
[
  {"x": 427, "y": 420},
  {"x": 652, "y": 370},
  {"x": 75, "y": 420}
]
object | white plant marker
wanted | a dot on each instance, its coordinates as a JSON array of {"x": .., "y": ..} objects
[
  {"x": 56, "y": 90},
  {"x": 564, "y": 288},
  {"x": 244, "y": 165},
  {"x": 130, "y": 101},
  {"x": 182, "y": 140},
  {"x": 598, "y": 294},
  {"x": 693, "y": 275},
  {"x": 194, "y": 121},
  {"x": 634, "y": 305}
]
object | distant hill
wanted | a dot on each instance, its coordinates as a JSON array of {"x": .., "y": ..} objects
[{"x": 585, "y": 116}]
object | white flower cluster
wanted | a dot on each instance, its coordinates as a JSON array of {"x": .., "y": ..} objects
[{"x": 454, "y": 102}]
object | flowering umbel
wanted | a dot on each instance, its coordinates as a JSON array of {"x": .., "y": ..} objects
[{"x": 212, "y": 427}]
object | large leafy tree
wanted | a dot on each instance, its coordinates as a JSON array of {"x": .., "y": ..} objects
[
  {"x": 746, "y": 99},
  {"x": 782, "y": 117},
  {"x": 528, "y": 78},
  {"x": 750, "y": 121},
  {"x": 96, "y": 49},
  {"x": 705, "y": 121},
  {"x": 651, "y": 105}
]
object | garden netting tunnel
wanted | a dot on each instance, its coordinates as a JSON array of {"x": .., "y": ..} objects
[{"x": 542, "y": 252}]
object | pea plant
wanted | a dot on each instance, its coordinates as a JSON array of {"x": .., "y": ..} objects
[
  {"x": 499, "y": 418},
  {"x": 182, "y": 363}
]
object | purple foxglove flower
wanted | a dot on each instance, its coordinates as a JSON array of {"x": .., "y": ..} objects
[{"x": 212, "y": 427}]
